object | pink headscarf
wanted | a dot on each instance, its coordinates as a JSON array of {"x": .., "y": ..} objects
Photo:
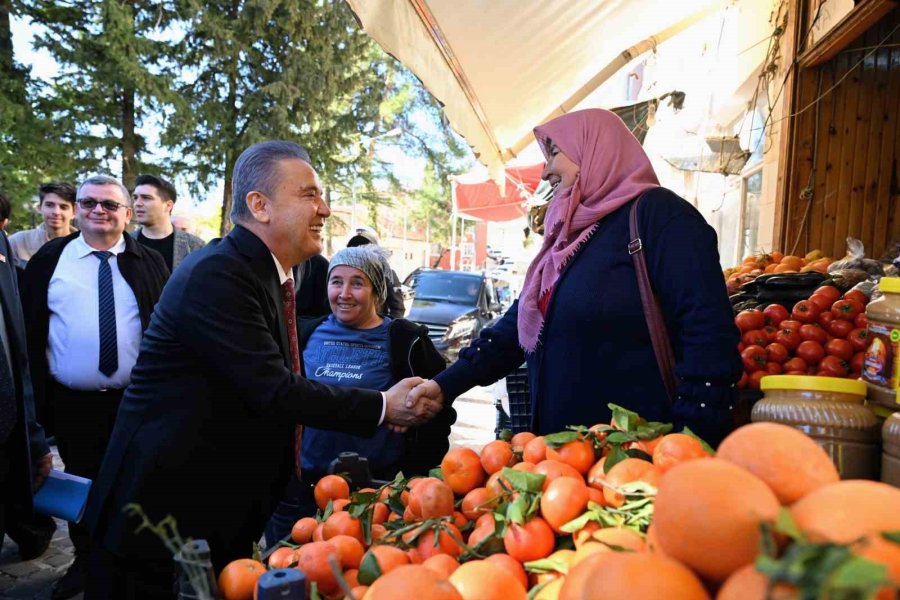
[{"x": 614, "y": 171}]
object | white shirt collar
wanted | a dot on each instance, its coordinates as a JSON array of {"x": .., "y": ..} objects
[
  {"x": 82, "y": 249},
  {"x": 282, "y": 276}
]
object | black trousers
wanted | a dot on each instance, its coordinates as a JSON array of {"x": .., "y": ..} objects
[
  {"x": 111, "y": 577},
  {"x": 27, "y": 529},
  {"x": 83, "y": 422}
]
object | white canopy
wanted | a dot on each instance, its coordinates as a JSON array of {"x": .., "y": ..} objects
[{"x": 500, "y": 67}]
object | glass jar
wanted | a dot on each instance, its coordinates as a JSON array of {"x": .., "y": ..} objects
[
  {"x": 890, "y": 450},
  {"x": 832, "y": 412},
  {"x": 881, "y": 366}
]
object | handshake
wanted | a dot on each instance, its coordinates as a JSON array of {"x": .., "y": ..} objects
[{"x": 411, "y": 402}]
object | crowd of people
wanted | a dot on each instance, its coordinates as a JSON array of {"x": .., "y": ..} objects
[{"x": 215, "y": 383}]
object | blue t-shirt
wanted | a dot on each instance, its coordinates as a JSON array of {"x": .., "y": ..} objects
[{"x": 343, "y": 356}]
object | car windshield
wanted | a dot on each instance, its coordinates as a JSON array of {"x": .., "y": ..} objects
[{"x": 458, "y": 288}]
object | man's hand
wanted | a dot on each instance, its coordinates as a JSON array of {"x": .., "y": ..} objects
[
  {"x": 427, "y": 390},
  {"x": 400, "y": 414},
  {"x": 41, "y": 470}
]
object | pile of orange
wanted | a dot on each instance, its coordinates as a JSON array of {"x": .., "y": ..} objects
[
  {"x": 475, "y": 533},
  {"x": 774, "y": 262}
]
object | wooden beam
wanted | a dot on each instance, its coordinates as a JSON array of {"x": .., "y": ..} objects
[{"x": 865, "y": 14}]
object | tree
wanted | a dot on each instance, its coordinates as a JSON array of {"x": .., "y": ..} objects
[{"x": 296, "y": 70}]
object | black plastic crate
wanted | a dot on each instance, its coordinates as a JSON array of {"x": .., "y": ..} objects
[{"x": 519, "y": 403}]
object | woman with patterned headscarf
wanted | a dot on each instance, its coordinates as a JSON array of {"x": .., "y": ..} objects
[{"x": 579, "y": 322}]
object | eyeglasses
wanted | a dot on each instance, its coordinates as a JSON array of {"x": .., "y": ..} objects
[{"x": 108, "y": 205}]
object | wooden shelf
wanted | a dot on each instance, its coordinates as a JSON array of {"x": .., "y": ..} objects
[{"x": 865, "y": 14}]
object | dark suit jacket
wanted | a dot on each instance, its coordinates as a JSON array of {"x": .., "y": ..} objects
[
  {"x": 205, "y": 430},
  {"x": 312, "y": 293},
  {"x": 142, "y": 268},
  {"x": 26, "y": 442}
]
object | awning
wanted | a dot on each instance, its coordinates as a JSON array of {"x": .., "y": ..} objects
[
  {"x": 504, "y": 66},
  {"x": 481, "y": 199}
]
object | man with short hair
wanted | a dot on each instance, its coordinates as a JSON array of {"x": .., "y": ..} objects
[
  {"x": 218, "y": 384},
  {"x": 87, "y": 299},
  {"x": 57, "y": 206},
  {"x": 154, "y": 199}
]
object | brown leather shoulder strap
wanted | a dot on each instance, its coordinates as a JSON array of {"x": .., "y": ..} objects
[{"x": 659, "y": 335}]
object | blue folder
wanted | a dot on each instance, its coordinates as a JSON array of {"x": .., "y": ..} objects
[{"x": 63, "y": 495}]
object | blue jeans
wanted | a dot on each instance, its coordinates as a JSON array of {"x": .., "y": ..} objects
[{"x": 298, "y": 502}]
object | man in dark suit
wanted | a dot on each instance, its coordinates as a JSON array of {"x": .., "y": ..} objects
[
  {"x": 25, "y": 457},
  {"x": 206, "y": 430}
]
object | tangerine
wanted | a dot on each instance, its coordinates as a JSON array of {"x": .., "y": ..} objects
[
  {"x": 676, "y": 448},
  {"x": 564, "y": 499},
  {"x": 845, "y": 511},
  {"x": 238, "y": 579},
  {"x": 313, "y": 559},
  {"x": 496, "y": 455},
  {"x": 462, "y": 471},
  {"x": 330, "y": 487},
  {"x": 531, "y": 541},
  {"x": 628, "y": 471},
  {"x": 578, "y": 454},
  {"x": 535, "y": 451},
  {"x": 411, "y": 581},
  {"x": 512, "y": 565},
  {"x": 632, "y": 575},
  {"x": 483, "y": 580},
  {"x": 303, "y": 530}
]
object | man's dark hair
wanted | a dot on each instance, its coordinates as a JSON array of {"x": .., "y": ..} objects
[
  {"x": 64, "y": 190},
  {"x": 256, "y": 171},
  {"x": 165, "y": 188},
  {"x": 5, "y": 206}
]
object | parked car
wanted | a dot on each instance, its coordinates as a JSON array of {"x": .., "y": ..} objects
[{"x": 454, "y": 305}]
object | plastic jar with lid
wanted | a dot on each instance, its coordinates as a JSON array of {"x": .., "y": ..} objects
[
  {"x": 890, "y": 450},
  {"x": 881, "y": 365},
  {"x": 832, "y": 412}
]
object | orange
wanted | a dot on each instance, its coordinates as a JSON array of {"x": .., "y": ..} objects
[
  {"x": 632, "y": 575},
  {"x": 597, "y": 475},
  {"x": 707, "y": 515},
  {"x": 845, "y": 511},
  {"x": 676, "y": 448},
  {"x": 552, "y": 469},
  {"x": 431, "y": 499},
  {"x": 478, "y": 534},
  {"x": 442, "y": 564},
  {"x": 496, "y": 455},
  {"x": 530, "y": 541},
  {"x": 330, "y": 487},
  {"x": 341, "y": 523},
  {"x": 448, "y": 540},
  {"x": 462, "y": 471},
  {"x": 749, "y": 584},
  {"x": 303, "y": 529},
  {"x": 351, "y": 576},
  {"x": 378, "y": 532},
  {"x": 280, "y": 557},
  {"x": 794, "y": 263},
  {"x": 786, "y": 459},
  {"x": 564, "y": 499},
  {"x": 313, "y": 560},
  {"x": 349, "y": 549},
  {"x": 535, "y": 451},
  {"x": 238, "y": 579},
  {"x": 610, "y": 539},
  {"x": 578, "y": 454},
  {"x": 380, "y": 512},
  {"x": 512, "y": 565},
  {"x": 477, "y": 502},
  {"x": 482, "y": 580},
  {"x": 411, "y": 581},
  {"x": 628, "y": 471},
  {"x": 519, "y": 440},
  {"x": 389, "y": 557}
]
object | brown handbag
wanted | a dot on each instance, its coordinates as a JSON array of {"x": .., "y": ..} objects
[{"x": 659, "y": 335}]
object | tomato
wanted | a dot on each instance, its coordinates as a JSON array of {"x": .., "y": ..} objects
[
  {"x": 742, "y": 383},
  {"x": 859, "y": 338},
  {"x": 770, "y": 332},
  {"x": 748, "y": 320},
  {"x": 789, "y": 338},
  {"x": 811, "y": 352},
  {"x": 847, "y": 309},
  {"x": 804, "y": 372},
  {"x": 840, "y": 328},
  {"x": 856, "y": 363},
  {"x": 858, "y": 296},
  {"x": 795, "y": 364},
  {"x": 840, "y": 348},
  {"x": 821, "y": 302},
  {"x": 805, "y": 312},
  {"x": 828, "y": 291},
  {"x": 741, "y": 346},
  {"x": 814, "y": 332},
  {"x": 754, "y": 358},
  {"x": 753, "y": 382},
  {"x": 777, "y": 352},
  {"x": 775, "y": 314},
  {"x": 825, "y": 318},
  {"x": 773, "y": 368},
  {"x": 861, "y": 321},
  {"x": 757, "y": 337},
  {"x": 834, "y": 366},
  {"x": 790, "y": 324}
]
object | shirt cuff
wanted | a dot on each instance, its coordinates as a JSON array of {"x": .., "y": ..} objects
[{"x": 383, "y": 408}]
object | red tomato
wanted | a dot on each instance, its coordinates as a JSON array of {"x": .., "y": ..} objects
[
  {"x": 861, "y": 321},
  {"x": 825, "y": 318},
  {"x": 804, "y": 372},
  {"x": 770, "y": 332},
  {"x": 821, "y": 302},
  {"x": 777, "y": 352},
  {"x": 790, "y": 324},
  {"x": 805, "y": 312},
  {"x": 814, "y": 332},
  {"x": 811, "y": 352},
  {"x": 775, "y": 314},
  {"x": 742, "y": 383},
  {"x": 754, "y": 358},
  {"x": 748, "y": 320},
  {"x": 840, "y": 348},
  {"x": 830, "y": 292},
  {"x": 858, "y": 296},
  {"x": 753, "y": 382},
  {"x": 840, "y": 328},
  {"x": 856, "y": 363},
  {"x": 741, "y": 346},
  {"x": 773, "y": 368},
  {"x": 757, "y": 337},
  {"x": 834, "y": 366},
  {"x": 847, "y": 309},
  {"x": 789, "y": 338},
  {"x": 795, "y": 364},
  {"x": 859, "y": 338}
]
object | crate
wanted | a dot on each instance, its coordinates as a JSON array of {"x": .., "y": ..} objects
[{"x": 519, "y": 403}]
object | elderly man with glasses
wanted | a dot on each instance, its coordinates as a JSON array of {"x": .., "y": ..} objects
[{"x": 87, "y": 299}]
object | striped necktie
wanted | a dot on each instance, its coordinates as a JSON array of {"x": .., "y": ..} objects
[{"x": 109, "y": 350}]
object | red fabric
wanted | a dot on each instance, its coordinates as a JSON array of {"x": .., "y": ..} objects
[
  {"x": 544, "y": 302},
  {"x": 483, "y": 200},
  {"x": 290, "y": 319}
]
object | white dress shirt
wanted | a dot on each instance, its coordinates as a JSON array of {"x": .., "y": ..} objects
[
  {"x": 73, "y": 346},
  {"x": 283, "y": 276}
]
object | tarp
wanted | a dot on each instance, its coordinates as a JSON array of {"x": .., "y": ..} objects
[
  {"x": 500, "y": 67},
  {"x": 483, "y": 200}
]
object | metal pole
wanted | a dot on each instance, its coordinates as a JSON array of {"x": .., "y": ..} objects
[{"x": 453, "y": 225}]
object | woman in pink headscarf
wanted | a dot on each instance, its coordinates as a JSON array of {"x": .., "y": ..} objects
[{"x": 579, "y": 322}]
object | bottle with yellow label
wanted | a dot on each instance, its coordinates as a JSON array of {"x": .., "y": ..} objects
[{"x": 881, "y": 366}]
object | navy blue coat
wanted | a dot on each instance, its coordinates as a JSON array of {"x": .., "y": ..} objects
[{"x": 595, "y": 346}]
